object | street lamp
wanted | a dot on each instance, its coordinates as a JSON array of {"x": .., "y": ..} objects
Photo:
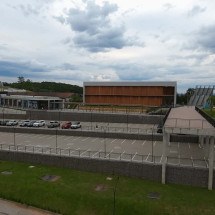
[
  {"x": 105, "y": 149},
  {"x": 3, "y": 113},
  {"x": 56, "y": 140},
  {"x": 114, "y": 195},
  {"x": 91, "y": 119},
  {"x": 152, "y": 143},
  {"x": 127, "y": 122},
  {"x": 14, "y": 136}
]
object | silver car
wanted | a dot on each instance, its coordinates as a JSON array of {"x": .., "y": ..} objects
[
  {"x": 75, "y": 125},
  {"x": 24, "y": 123},
  {"x": 39, "y": 123},
  {"x": 12, "y": 123}
]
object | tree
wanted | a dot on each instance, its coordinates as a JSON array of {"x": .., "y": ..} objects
[
  {"x": 189, "y": 93},
  {"x": 21, "y": 79}
]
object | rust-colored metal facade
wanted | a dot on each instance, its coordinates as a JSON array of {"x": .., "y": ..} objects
[{"x": 130, "y": 93}]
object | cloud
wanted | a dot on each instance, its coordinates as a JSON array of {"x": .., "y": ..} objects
[
  {"x": 168, "y": 6},
  {"x": 93, "y": 27},
  {"x": 68, "y": 66},
  {"x": 205, "y": 38},
  {"x": 31, "y": 8},
  {"x": 14, "y": 69},
  {"x": 196, "y": 10}
]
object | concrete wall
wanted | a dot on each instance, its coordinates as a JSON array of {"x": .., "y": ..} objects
[
  {"x": 174, "y": 174},
  {"x": 86, "y": 117},
  {"x": 137, "y": 170},
  {"x": 71, "y": 132},
  {"x": 187, "y": 176},
  {"x": 184, "y": 138},
  {"x": 94, "y": 117}
]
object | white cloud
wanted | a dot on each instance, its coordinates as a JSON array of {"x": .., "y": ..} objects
[{"x": 75, "y": 41}]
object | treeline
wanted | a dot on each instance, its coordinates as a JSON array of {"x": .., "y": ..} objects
[{"x": 45, "y": 86}]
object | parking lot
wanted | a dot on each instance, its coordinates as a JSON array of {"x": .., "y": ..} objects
[
  {"x": 184, "y": 154},
  {"x": 109, "y": 127}
]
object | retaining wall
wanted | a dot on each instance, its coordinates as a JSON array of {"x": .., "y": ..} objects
[
  {"x": 70, "y": 132},
  {"x": 174, "y": 174},
  {"x": 187, "y": 176},
  {"x": 138, "y": 170},
  {"x": 186, "y": 138},
  {"x": 86, "y": 117}
]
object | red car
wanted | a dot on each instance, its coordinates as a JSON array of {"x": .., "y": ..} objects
[{"x": 66, "y": 125}]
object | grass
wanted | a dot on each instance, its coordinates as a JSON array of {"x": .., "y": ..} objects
[
  {"x": 74, "y": 193},
  {"x": 210, "y": 112}
]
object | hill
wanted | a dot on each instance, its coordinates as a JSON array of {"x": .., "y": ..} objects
[{"x": 45, "y": 87}]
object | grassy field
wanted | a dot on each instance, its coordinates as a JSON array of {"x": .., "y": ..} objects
[
  {"x": 82, "y": 193},
  {"x": 210, "y": 112}
]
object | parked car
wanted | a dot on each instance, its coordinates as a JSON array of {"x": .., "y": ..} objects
[
  {"x": 24, "y": 123},
  {"x": 39, "y": 123},
  {"x": 3, "y": 122},
  {"x": 30, "y": 124},
  {"x": 53, "y": 124},
  {"x": 66, "y": 125},
  {"x": 160, "y": 128},
  {"x": 75, "y": 125},
  {"x": 12, "y": 123}
]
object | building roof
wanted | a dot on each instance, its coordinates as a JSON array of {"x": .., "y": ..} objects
[
  {"x": 142, "y": 83},
  {"x": 26, "y": 97}
]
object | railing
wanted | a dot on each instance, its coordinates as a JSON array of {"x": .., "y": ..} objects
[{"x": 138, "y": 158}]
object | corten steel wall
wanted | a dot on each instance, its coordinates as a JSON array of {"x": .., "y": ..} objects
[
  {"x": 130, "y": 95},
  {"x": 174, "y": 174}
]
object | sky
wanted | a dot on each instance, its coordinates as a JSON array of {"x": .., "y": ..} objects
[{"x": 72, "y": 41}]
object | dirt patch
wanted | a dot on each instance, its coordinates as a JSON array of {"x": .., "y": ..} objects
[
  {"x": 101, "y": 187},
  {"x": 50, "y": 178},
  {"x": 6, "y": 173},
  {"x": 153, "y": 195}
]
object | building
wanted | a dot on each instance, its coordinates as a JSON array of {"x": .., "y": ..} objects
[
  {"x": 31, "y": 102},
  {"x": 130, "y": 93}
]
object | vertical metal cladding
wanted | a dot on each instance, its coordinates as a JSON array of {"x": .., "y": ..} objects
[{"x": 130, "y": 93}]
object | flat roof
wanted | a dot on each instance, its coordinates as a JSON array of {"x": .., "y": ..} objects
[
  {"x": 25, "y": 97},
  {"x": 139, "y": 83}
]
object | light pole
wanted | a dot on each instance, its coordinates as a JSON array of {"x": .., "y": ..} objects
[
  {"x": 91, "y": 119},
  {"x": 14, "y": 136},
  {"x": 3, "y": 113},
  {"x": 152, "y": 143},
  {"x": 56, "y": 140},
  {"x": 127, "y": 122},
  {"x": 105, "y": 149},
  {"x": 59, "y": 115},
  {"x": 114, "y": 195}
]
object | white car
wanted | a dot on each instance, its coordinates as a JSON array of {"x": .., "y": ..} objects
[
  {"x": 39, "y": 123},
  {"x": 24, "y": 123},
  {"x": 12, "y": 123},
  {"x": 75, "y": 125}
]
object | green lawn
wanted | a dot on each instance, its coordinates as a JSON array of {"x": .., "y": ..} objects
[
  {"x": 210, "y": 112},
  {"x": 74, "y": 193}
]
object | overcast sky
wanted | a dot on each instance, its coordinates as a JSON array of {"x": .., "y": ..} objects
[{"x": 92, "y": 40}]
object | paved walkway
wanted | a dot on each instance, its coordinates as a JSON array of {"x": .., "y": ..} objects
[
  {"x": 13, "y": 208},
  {"x": 188, "y": 119}
]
